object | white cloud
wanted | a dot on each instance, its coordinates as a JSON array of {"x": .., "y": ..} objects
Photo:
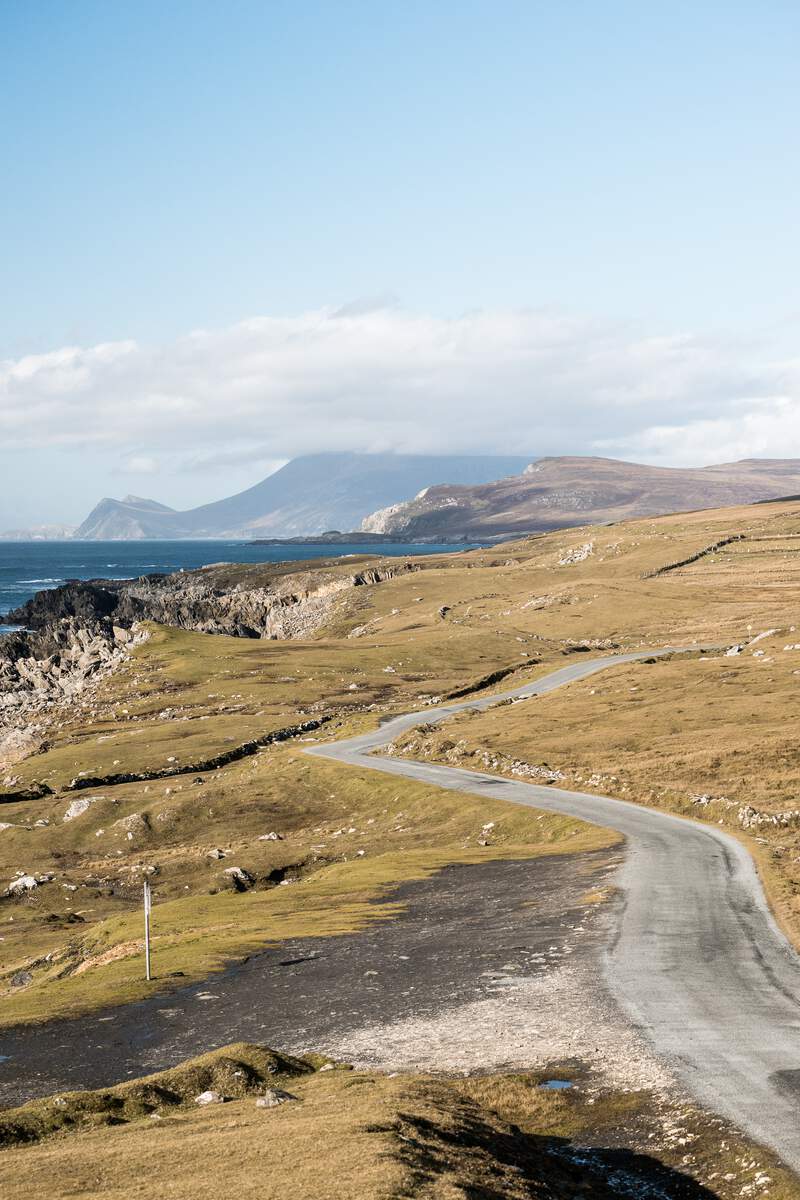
[
  {"x": 755, "y": 428},
  {"x": 378, "y": 378},
  {"x": 141, "y": 464}
]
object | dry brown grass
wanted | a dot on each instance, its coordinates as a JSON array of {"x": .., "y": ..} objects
[
  {"x": 323, "y": 1146},
  {"x": 362, "y": 1136},
  {"x": 188, "y": 696}
]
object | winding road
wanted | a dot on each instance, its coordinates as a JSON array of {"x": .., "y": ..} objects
[{"x": 699, "y": 964}]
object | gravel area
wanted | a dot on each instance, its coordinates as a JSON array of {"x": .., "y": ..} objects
[{"x": 487, "y": 965}]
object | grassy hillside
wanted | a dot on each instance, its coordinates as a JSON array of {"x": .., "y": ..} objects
[
  {"x": 346, "y": 836},
  {"x": 708, "y": 735},
  {"x": 348, "y": 1135}
]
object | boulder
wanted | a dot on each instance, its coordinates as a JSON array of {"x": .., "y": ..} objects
[
  {"x": 25, "y": 883},
  {"x": 77, "y": 808},
  {"x": 239, "y": 877},
  {"x": 273, "y": 1097},
  {"x": 209, "y": 1097},
  {"x": 135, "y": 824}
]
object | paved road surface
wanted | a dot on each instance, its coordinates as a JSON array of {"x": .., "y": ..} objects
[{"x": 699, "y": 964}]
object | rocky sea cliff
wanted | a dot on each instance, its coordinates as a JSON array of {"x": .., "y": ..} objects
[{"x": 72, "y": 636}]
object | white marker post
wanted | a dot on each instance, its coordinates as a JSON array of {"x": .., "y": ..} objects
[{"x": 147, "y": 904}]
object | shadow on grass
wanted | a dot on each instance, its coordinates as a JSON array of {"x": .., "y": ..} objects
[{"x": 486, "y": 1157}]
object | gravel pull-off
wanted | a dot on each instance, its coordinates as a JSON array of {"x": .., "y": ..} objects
[
  {"x": 528, "y": 1021},
  {"x": 459, "y": 940}
]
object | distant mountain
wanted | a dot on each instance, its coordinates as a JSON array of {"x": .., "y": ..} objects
[
  {"x": 310, "y": 495},
  {"x": 129, "y": 518},
  {"x": 556, "y": 492}
]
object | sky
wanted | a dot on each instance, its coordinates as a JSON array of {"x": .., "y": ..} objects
[{"x": 235, "y": 233}]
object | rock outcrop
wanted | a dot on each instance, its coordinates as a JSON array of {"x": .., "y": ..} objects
[
  {"x": 216, "y": 599},
  {"x": 235, "y": 754},
  {"x": 43, "y": 667},
  {"x": 75, "y": 634}
]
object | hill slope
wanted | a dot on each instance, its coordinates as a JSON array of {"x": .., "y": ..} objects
[
  {"x": 309, "y": 495},
  {"x": 557, "y": 492},
  {"x": 708, "y": 736}
]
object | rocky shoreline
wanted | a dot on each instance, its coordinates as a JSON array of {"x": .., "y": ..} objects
[
  {"x": 43, "y": 669},
  {"x": 74, "y": 635}
]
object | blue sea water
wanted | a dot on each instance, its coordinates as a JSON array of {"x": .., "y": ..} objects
[{"x": 30, "y": 567}]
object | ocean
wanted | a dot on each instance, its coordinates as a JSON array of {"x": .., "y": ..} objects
[{"x": 30, "y": 567}]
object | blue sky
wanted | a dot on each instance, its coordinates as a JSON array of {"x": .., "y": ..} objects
[{"x": 632, "y": 168}]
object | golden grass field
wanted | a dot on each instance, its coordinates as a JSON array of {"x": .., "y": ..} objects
[
  {"x": 660, "y": 733},
  {"x": 347, "y": 1135},
  {"x": 719, "y": 727}
]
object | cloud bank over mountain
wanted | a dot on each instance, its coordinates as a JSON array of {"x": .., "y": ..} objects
[{"x": 379, "y": 379}]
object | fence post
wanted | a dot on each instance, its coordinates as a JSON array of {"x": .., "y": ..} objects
[{"x": 147, "y": 903}]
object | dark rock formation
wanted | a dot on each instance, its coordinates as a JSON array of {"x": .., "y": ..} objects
[
  {"x": 246, "y": 750},
  {"x": 75, "y": 633}
]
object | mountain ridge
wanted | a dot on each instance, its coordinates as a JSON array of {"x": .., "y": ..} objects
[
  {"x": 555, "y": 492},
  {"x": 308, "y": 496}
]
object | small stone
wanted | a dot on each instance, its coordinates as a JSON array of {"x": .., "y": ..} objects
[
  {"x": 25, "y": 883},
  {"x": 216, "y": 853},
  {"x": 21, "y": 979},
  {"x": 135, "y": 823},
  {"x": 209, "y": 1097},
  {"x": 273, "y": 1097},
  {"x": 240, "y": 877}
]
